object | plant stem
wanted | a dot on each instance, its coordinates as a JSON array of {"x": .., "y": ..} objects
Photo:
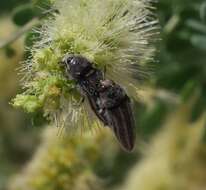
[{"x": 19, "y": 33}]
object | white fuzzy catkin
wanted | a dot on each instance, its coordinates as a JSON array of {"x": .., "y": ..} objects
[{"x": 116, "y": 34}]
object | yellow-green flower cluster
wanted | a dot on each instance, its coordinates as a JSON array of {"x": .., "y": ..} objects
[
  {"x": 66, "y": 163},
  {"x": 175, "y": 158},
  {"x": 115, "y": 34}
]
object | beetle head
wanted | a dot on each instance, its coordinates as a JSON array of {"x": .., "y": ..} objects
[{"x": 76, "y": 65}]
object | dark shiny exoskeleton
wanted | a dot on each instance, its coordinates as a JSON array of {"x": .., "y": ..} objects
[{"x": 108, "y": 100}]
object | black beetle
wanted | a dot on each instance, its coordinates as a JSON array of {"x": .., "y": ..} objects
[{"x": 107, "y": 99}]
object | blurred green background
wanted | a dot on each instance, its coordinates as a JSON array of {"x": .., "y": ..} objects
[{"x": 171, "y": 116}]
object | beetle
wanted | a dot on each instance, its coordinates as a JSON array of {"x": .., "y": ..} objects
[{"x": 107, "y": 99}]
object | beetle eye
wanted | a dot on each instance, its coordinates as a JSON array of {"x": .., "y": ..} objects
[{"x": 72, "y": 61}]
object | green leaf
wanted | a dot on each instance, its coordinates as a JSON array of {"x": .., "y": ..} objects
[
  {"x": 199, "y": 41},
  {"x": 8, "y": 5},
  {"x": 203, "y": 12},
  {"x": 23, "y": 14},
  {"x": 196, "y": 25}
]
